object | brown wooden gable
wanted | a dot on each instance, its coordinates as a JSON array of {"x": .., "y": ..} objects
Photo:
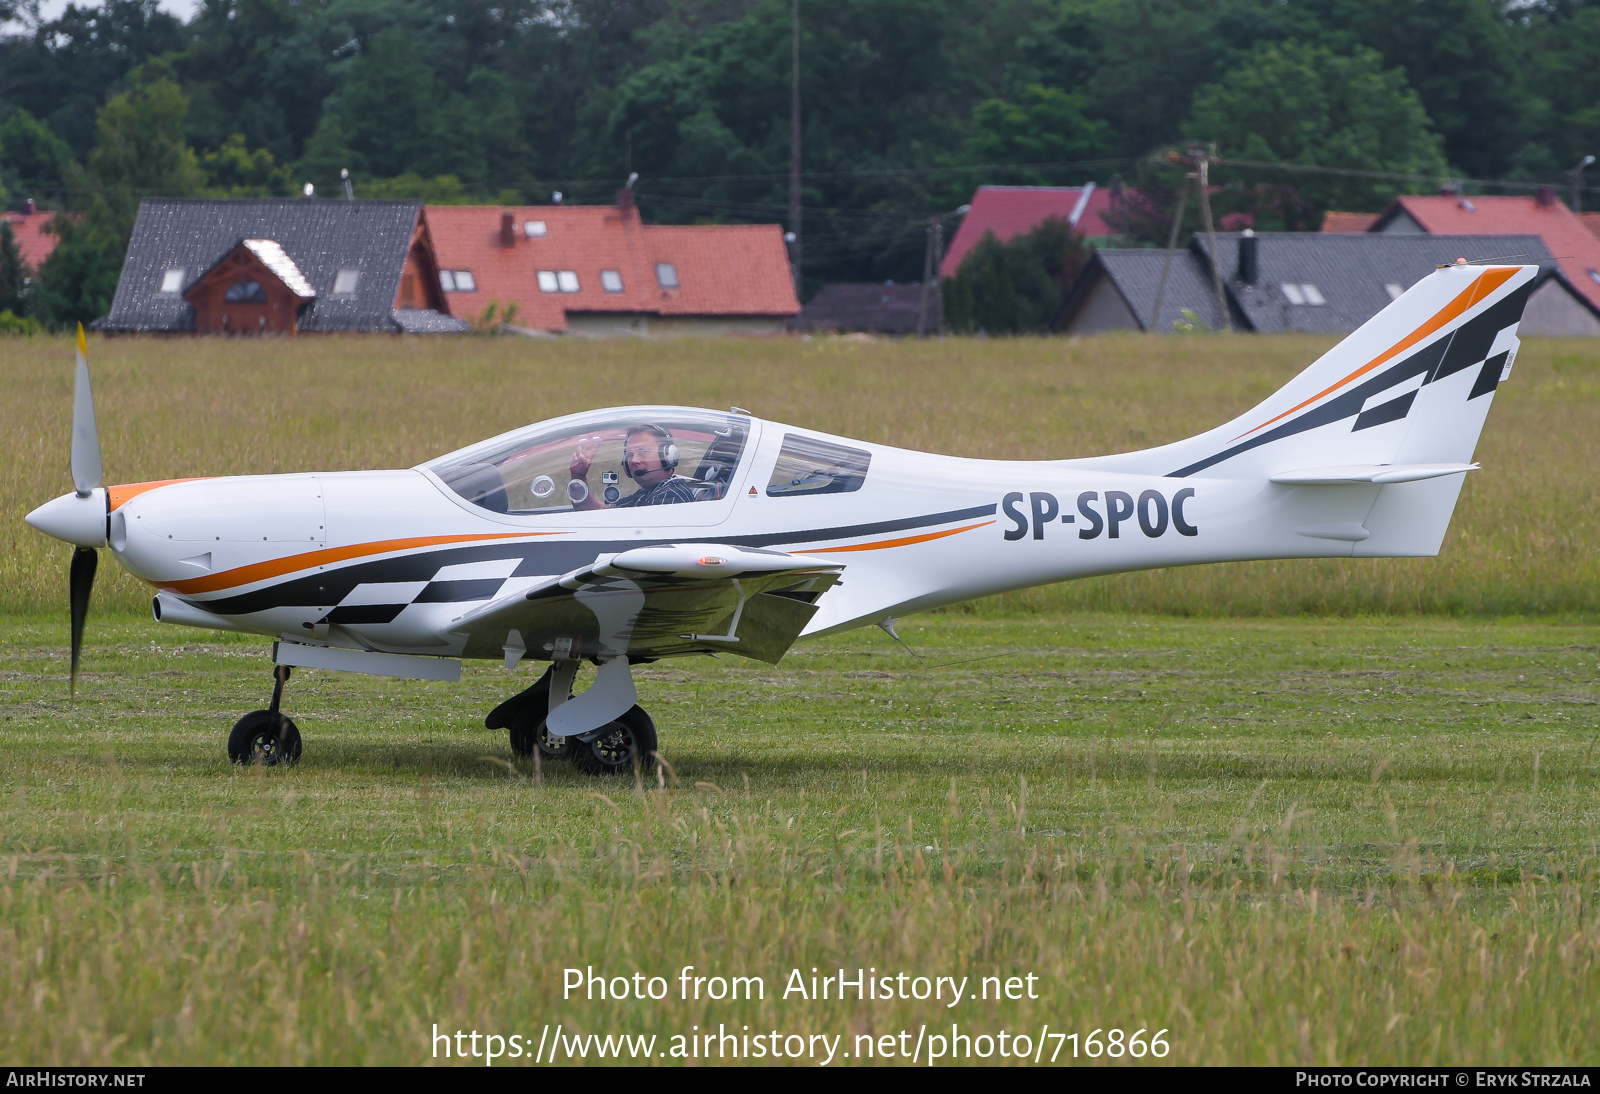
[
  {"x": 260, "y": 303},
  {"x": 419, "y": 278}
]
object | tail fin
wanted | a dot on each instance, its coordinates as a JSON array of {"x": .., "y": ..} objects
[{"x": 1401, "y": 401}]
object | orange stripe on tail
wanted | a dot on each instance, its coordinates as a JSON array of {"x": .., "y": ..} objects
[{"x": 1491, "y": 280}]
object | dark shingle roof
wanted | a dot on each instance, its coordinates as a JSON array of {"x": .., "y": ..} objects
[
  {"x": 1350, "y": 271},
  {"x": 875, "y": 307},
  {"x": 321, "y": 237},
  {"x": 1137, "y": 274}
]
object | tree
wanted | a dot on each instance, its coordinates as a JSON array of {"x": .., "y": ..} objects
[
  {"x": 1307, "y": 106},
  {"x": 32, "y": 158},
  {"x": 1044, "y": 125},
  {"x": 1016, "y": 287},
  {"x": 14, "y": 274},
  {"x": 141, "y": 153},
  {"x": 78, "y": 280}
]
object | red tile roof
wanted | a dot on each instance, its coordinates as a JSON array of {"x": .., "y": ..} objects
[
  {"x": 722, "y": 270},
  {"x": 1574, "y": 246},
  {"x": 1590, "y": 221},
  {"x": 32, "y": 240},
  {"x": 1010, "y": 211},
  {"x": 1348, "y": 222}
]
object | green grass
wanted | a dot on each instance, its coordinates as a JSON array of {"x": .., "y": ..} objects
[{"x": 1284, "y": 841}]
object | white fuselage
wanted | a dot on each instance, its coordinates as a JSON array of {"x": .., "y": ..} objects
[{"x": 281, "y": 555}]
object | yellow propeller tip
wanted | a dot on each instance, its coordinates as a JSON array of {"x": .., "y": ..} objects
[{"x": 83, "y": 346}]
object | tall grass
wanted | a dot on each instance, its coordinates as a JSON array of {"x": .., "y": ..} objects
[
  {"x": 1243, "y": 952},
  {"x": 1521, "y": 542}
]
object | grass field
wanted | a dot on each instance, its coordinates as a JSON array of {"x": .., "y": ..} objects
[{"x": 1234, "y": 803}]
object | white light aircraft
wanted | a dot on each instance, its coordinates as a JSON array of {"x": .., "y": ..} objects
[{"x": 622, "y": 536}]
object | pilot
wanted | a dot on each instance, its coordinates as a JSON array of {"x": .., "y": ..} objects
[{"x": 649, "y": 458}]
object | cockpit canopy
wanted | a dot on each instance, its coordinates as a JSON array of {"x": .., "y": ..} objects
[{"x": 527, "y": 472}]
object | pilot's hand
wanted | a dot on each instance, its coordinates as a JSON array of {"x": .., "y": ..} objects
[{"x": 583, "y": 456}]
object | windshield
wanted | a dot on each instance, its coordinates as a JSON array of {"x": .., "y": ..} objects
[{"x": 607, "y": 459}]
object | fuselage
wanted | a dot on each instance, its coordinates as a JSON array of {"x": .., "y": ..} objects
[{"x": 389, "y": 560}]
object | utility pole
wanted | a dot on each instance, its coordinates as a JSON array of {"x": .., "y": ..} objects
[
  {"x": 1172, "y": 244},
  {"x": 1205, "y": 156},
  {"x": 794, "y": 138},
  {"x": 1577, "y": 183},
  {"x": 927, "y": 277}
]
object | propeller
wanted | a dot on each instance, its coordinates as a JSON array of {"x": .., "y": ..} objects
[{"x": 88, "y": 475}]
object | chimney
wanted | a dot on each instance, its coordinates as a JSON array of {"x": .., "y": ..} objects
[
  {"x": 1247, "y": 271},
  {"x": 625, "y": 199},
  {"x": 1545, "y": 196},
  {"x": 29, "y": 207},
  {"x": 508, "y": 233},
  {"x": 1449, "y": 190}
]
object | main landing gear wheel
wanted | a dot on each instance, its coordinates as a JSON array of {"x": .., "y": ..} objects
[
  {"x": 262, "y": 737},
  {"x": 617, "y": 746},
  {"x": 526, "y": 736},
  {"x": 266, "y": 737}
]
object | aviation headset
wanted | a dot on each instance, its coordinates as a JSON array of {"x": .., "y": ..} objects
[{"x": 668, "y": 451}]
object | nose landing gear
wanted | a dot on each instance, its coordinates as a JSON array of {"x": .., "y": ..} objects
[{"x": 266, "y": 737}]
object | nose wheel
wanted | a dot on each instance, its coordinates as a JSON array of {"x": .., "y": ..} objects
[{"x": 266, "y": 737}]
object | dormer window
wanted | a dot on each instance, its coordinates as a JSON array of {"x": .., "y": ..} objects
[
  {"x": 611, "y": 280},
  {"x": 666, "y": 275},
  {"x": 246, "y": 292},
  {"x": 172, "y": 280}
]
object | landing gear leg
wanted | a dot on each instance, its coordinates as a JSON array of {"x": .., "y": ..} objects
[{"x": 266, "y": 737}]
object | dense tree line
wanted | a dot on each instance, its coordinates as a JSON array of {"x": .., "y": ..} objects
[{"x": 907, "y": 105}]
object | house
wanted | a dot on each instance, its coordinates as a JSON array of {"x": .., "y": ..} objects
[
  {"x": 1010, "y": 211},
  {"x": 28, "y": 229},
  {"x": 1118, "y": 289},
  {"x": 1302, "y": 282},
  {"x": 872, "y": 308},
  {"x": 1565, "y": 234},
  {"x": 279, "y": 266},
  {"x": 599, "y": 270}
]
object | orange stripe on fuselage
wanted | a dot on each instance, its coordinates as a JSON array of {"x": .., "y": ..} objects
[
  {"x": 277, "y": 567},
  {"x": 119, "y": 496},
  {"x": 1491, "y": 280},
  {"x": 886, "y": 543}
]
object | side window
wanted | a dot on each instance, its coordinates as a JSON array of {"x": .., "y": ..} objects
[{"x": 808, "y": 466}]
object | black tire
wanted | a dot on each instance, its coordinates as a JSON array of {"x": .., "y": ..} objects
[
  {"x": 618, "y": 746},
  {"x": 259, "y": 737},
  {"x": 528, "y": 733}
]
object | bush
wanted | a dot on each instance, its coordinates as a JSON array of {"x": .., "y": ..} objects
[{"x": 1016, "y": 287}]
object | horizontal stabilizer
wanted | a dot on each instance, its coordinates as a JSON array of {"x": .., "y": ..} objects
[{"x": 1378, "y": 473}]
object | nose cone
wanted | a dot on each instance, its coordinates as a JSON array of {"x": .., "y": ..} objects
[{"x": 73, "y": 518}]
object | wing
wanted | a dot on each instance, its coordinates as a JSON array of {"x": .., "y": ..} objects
[{"x": 657, "y": 602}]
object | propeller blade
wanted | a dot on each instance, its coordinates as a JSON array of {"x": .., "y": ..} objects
[
  {"x": 84, "y": 562},
  {"x": 87, "y": 471}
]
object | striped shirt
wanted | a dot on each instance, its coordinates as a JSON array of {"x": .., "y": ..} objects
[{"x": 670, "y": 492}]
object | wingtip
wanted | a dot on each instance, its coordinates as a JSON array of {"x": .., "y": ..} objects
[{"x": 83, "y": 345}]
